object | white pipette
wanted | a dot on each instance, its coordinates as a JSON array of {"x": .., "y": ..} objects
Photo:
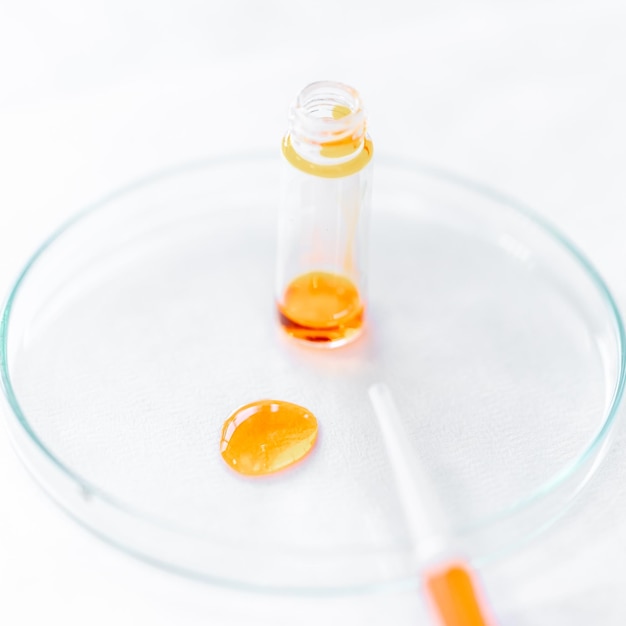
[{"x": 448, "y": 580}]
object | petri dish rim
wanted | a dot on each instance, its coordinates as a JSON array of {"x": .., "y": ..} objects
[{"x": 539, "y": 494}]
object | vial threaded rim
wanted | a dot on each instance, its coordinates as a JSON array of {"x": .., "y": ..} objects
[{"x": 327, "y": 123}]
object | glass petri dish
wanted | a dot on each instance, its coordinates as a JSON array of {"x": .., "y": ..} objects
[{"x": 139, "y": 326}]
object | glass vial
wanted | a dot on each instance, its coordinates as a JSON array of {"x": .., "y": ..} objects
[{"x": 326, "y": 197}]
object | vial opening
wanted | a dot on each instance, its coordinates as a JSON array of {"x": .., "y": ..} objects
[
  {"x": 328, "y": 100},
  {"x": 327, "y": 123}
]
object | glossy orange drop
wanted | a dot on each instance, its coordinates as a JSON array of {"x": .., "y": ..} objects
[
  {"x": 454, "y": 597},
  {"x": 267, "y": 436},
  {"x": 322, "y": 307}
]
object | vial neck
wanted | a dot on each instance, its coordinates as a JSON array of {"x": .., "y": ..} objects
[{"x": 327, "y": 126}]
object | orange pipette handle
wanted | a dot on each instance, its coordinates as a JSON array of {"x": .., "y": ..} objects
[{"x": 453, "y": 596}]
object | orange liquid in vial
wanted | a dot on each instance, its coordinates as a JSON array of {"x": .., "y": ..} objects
[
  {"x": 321, "y": 307},
  {"x": 266, "y": 436}
]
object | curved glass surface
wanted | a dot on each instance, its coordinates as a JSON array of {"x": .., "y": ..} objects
[{"x": 139, "y": 326}]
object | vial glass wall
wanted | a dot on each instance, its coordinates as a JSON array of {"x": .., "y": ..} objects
[{"x": 326, "y": 194}]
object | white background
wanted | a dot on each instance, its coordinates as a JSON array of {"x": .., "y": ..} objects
[{"x": 529, "y": 97}]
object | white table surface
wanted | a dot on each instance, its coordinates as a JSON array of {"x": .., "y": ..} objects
[{"x": 529, "y": 97}]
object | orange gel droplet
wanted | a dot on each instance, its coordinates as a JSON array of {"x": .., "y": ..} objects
[
  {"x": 453, "y": 595},
  {"x": 266, "y": 436},
  {"x": 321, "y": 307}
]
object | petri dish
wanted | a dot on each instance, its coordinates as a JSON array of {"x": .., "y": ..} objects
[{"x": 140, "y": 325}]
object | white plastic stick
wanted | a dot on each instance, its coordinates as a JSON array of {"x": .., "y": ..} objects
[{"x": 426, "y": 521}]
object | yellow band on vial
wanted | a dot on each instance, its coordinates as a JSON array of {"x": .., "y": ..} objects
[{"x": 330, "y": 171}]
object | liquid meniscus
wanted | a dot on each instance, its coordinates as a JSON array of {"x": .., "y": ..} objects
[
  {"x": 321, "y": 307},
  {"x": 267, "y": 436}
]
